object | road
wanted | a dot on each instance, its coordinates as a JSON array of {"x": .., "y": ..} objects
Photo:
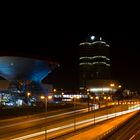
[
  {"x": 56, "y": 124},
  {"x": 130, "y": 131},
  {"x": 70, "y": 127},
  {"x": 136, "y": 136},
  {"x": 98, "y": 130}
]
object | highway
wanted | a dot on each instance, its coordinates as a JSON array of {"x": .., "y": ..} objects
[
  {"x": 130, "y": 131},
  {"x": 136, "y": 136},
  {"x": 70, "y": 127},
  {"x": 97, "y": 131},
  {"x": 22, "y": 124},
  {"x": 58, "y": 124}
]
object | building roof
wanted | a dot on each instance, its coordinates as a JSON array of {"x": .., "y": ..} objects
[{"x": 21, "y": 68}]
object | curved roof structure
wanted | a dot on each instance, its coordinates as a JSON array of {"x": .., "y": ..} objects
[{"x": 21, "y": 68}]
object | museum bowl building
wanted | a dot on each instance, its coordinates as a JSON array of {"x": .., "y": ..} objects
[{"x": 25, "y": 75}]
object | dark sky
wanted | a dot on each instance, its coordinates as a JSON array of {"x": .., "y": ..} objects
[
  {"x": 61, "y": 44},
  {"x": 124, "y": 53},
  {"x": 56, "y": 31}
]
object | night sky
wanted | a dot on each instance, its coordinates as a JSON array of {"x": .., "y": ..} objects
[
  {"x": 124, "y": 54},
  {"x": 62, "y": 46}
]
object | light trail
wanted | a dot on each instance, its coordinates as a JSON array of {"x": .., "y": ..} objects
[
  {"x": 47, "y": 117},
  {"x": 86, "y": 122}
]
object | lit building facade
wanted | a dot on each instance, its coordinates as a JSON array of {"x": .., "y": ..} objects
[
  {"x": 24, "y": 75},
  {"x": 94, "y": 61}
]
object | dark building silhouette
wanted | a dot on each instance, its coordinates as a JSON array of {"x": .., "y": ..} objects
[{"x": 94, "y": 61}]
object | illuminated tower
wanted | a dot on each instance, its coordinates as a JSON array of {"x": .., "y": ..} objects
[{"x": 94, "y": 61}]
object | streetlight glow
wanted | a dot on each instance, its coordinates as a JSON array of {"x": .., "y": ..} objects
[
  {"x": 54, "y": 90},
  {"x": 28, "y": 94},
  {"x": 91, "y": 97},
  {"x": 104, "y": 97},
  {"x": 119, "y": 86},
  {"x": 77, "y": 97},
  {"x": 49, "y": 97},
  {"x": 46, "y": 98},
  {"x": 97, "y": 97},
  {"x": 42, "y": 97},
  {"x": 112, "y": 85},
  {"x": 109, "y": 98}
]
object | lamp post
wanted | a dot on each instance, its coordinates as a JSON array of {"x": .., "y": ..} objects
[
  {"x": 112, "y": 85},
  {"x": 119, "y": 86},
  {"x": 120, "y": 97},
  {"x": 97, "y": 98},
  {"x": 93, "y": 106},
  {"x": 46, "y": 98},
  {"x": 105, "y": 98},
  {"x": 54, "y": 90},
  {"x": 62, "y": 96},
  {"x": 108, "y": 98},
  {"x": 75, "y": 98},
  {"x": 92, "y": 102},
  {"x": 28, "y": 96},
  {"x": 88, "y": 99}
]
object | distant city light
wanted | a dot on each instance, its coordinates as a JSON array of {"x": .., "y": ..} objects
[
  {"x": 42, "y": 97},
  {"x": 119, "y": 86},
  {"x": 49, "y": 97},
  {"x": 92, "y": 37},
  {"x": 54, "y": 90},
  {"x": 112, "y": 85},
  {"x": 28, "y": 94},
  {"x": 99, "y": 89}
]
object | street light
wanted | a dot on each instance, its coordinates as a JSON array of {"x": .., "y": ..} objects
[
  {"x": 108, "y": 98},
  {"x": 28, "y": 95},
  {"x": 92, "y": 102},
  {"x": 46, "y": 98},
  {"x": 54, "y": 90},
  {"x": 119, "y": 86},
  {"x": 93, "y": 106},
  {"x": 106, "y": 102},
  {"x": 97, "y": 98},
  {"x": 112, "y": 84},
  {"x": 104, "y": 97},
  {"x": 88, "y": 102},
  {"x": 75, "y": 98}
]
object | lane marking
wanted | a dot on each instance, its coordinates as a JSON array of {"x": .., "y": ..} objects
[
  {"x": 48, "y": 117},
  {"x": 97, "y": 119}
]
